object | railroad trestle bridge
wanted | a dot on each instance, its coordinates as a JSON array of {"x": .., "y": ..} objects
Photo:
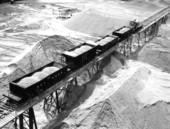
[{"x": 55, "y": 98}]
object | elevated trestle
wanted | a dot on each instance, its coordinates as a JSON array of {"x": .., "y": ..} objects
[
  {"x": 146, "y": 34},
  {"x": 56, "y": 98}
]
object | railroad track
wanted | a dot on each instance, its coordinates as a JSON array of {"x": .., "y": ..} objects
[
  {"x": 13, "y": 114},
  {"x": 152, "y": 19}
]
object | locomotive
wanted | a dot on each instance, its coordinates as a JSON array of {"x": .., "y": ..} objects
[{"x": 36, "y": 82}]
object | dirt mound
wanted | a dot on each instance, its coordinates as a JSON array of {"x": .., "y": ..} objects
[{"x": 94, "y": 23}]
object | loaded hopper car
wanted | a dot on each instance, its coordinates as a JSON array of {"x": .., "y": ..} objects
[
  {"x": 80, "y": 55},
  {"x": 123, "y": 32},
  {"x": 36, "y": 82},
  {"x": 107, "y": 42}
]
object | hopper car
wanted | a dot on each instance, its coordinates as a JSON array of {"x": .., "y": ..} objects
[
  {"x": 106, "y": 43},
  {"x": 80, "y": 55},
  {"x": 34, "y": 83},
  {"x": 126, "y": 31},
  {"x": 123, "y": 32}
]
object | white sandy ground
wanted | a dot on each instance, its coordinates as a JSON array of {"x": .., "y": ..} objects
[
  {"x": 157, "y": 52},
  {"x": 153, "y": 85},
  {"x": 106, "y": 16}
]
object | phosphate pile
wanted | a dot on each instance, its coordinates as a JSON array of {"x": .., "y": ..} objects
[
  {"x": 157, "y": 52},
  {"x": 94, "y": 23},
  {"x": 42, "y": 53},
  {"x": 136, "y": 96}
]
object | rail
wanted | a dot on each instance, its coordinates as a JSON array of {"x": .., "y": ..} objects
[
  {"x": 149, "y": 21},
  {"x": 15, "y": 113}
]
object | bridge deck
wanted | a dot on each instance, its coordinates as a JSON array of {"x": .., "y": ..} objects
[{"x": 154, "y": 18}]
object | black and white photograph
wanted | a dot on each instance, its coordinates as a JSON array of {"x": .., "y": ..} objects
[{"x": 84, "y": 64}]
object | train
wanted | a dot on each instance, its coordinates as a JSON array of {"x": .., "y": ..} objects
[{"x": 33, "y": 84}]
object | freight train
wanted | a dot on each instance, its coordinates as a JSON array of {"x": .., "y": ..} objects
[{"x": 35, "y": 83}]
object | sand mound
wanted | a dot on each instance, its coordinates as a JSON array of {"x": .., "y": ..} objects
[
  {"x": 157, "y": 53},
  {"x": 157, "y": 88},
  {"x": 50, "y": 70},
  {"x": 140, "y": 89},
  {"x": 43, "y": 52},
  {"x": 149, "y": 5},
  {"x": 117, "y": 61},
  {"x": 103, "y": 115},
  {"x": 94, "y": 23},
  {"x": 40, "y": 75},
  {"x": 27, "y": 81},
  {"x": 121, "y": 102}
]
